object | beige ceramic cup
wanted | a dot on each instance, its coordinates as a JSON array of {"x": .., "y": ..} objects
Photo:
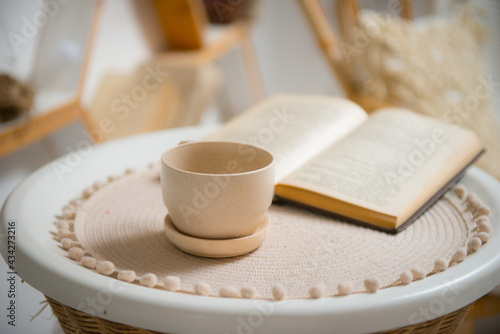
[{"x": 217, "y": 190}]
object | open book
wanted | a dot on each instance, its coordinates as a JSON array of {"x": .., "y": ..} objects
[{"x": 381, "y": 171}]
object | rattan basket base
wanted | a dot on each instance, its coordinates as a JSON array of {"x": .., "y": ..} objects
[{"x": 75, "y": 322}]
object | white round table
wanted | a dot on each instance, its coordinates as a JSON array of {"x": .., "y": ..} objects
[{"x": 44, "y": 265}]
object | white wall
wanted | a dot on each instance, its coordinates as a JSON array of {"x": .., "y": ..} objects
[{"x": 288, "y": 51}]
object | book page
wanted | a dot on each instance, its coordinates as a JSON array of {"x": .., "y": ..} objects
[
  {"x": 293, "y": 128},
  {"x": 391, "y": 164}
]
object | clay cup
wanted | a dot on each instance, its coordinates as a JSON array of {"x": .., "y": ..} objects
[{"x": 217, "y": 190}]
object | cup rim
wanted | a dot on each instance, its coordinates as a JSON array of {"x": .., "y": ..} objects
[{"x": 271, "y": 163}]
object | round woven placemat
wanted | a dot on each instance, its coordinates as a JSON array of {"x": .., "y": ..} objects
[{"x": 123, "y": 222}]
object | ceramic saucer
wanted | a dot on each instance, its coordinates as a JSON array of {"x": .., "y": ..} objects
[{"x": 217, "y": 248}]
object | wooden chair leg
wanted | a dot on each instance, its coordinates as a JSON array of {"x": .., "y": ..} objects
[
  {"x": 407, "y": 9},
  {"x": 326, "y": 38}
]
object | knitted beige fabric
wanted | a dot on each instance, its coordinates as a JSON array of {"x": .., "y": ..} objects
[
  {"x": 123, "y": 222},
  {"x": 436, "y": 69}
]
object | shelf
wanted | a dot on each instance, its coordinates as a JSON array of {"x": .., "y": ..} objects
[
  {"x": 55, "y": 68},
  {"x": 219, "y": 40},
  {"x": 23, "y": 133}
]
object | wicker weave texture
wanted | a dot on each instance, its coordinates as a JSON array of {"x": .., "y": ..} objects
[{"x": 75, "y": 322}]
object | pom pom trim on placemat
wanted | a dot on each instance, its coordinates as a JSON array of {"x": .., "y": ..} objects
[{"x": 472, "y": 209}]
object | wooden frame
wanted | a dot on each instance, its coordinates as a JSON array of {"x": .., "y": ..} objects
[
  {"x": 230, "y": 36},
  {"x": 172, "y": 105},
  {"x": 23, "y": 133},
  {"x": 348, "y": 16}
]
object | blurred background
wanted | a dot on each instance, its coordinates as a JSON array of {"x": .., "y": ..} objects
[
  {"x": 83, "y": 60},
  {"x": 75, "y": 73}
]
